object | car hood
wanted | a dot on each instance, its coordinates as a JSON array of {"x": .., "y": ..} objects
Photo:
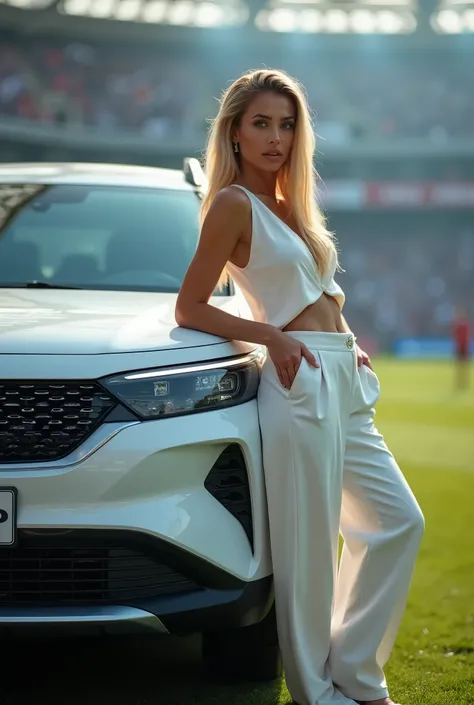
[{"x": 75, "y": 322}]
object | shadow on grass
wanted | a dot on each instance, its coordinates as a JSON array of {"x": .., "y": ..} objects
[{"x": 118, "y": 671}]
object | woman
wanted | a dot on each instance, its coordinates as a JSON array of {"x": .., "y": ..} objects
[{"x": 327, "y": 468}]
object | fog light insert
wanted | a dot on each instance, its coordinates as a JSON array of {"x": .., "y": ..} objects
[{"x": 228, "y": 483}]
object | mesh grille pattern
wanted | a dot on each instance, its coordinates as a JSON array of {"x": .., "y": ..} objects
[
  {"x": 58, "y": 575},
  {"x": 43, "y": 420}
]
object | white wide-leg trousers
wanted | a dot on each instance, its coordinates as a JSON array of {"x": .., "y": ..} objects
[{"x": 328, "y": 470}]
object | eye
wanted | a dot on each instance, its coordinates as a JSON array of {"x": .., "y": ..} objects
[
  {"x": 260, "y": 123},
  {"x": 289, "y": 125}
]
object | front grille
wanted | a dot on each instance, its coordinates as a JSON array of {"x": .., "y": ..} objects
[
  {"x": 58, "y": 574},
  {"x": 228, "y": 482},
  {"x": 41, "y": 420}
]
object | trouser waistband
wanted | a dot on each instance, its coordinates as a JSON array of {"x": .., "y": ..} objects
[{"x": 324, "y": 341}]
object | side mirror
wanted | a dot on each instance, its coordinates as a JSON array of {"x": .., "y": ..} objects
[{"x": 194, "y": 173}]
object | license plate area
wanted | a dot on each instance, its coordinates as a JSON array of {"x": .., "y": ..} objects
[{"x": 8, "y": 506}]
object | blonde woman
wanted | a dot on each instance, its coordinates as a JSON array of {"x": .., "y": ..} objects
[{"x": 327, "y": 469}]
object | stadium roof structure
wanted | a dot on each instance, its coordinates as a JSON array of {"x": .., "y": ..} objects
[{"x": 272, "y": 16}]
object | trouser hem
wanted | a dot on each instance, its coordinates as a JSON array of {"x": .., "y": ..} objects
[{"x": 364, "y": 695}]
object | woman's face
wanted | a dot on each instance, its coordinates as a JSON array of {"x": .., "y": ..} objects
[{"x": 266, "y": 131}]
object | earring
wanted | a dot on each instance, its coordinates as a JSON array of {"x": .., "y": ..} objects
[{"x": 236, "y": 146}]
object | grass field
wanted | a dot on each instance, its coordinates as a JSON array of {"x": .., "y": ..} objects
[{"x": 430, "y": 428}]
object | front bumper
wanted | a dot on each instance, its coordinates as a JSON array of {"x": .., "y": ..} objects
[
  {"x": 82, "y": 620},
  {"x": 207, "y": 610},
  {"x": 149, "y": 481}
]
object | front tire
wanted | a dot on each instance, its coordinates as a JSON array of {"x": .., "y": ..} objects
[{"x": 249, "y": 653}]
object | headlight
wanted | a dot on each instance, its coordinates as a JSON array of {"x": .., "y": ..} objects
[{"x": 188, "y": 389}]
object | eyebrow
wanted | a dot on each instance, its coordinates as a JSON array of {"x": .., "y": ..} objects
[{"x": 267, "y": 117}]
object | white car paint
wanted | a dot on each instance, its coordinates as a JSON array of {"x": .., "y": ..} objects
[{"x": 142, "y": 476}]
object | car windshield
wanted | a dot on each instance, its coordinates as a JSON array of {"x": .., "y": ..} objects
[{"x": 96, "y": 237}]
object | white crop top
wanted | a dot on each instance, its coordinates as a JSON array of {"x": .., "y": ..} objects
[{"x": 281, "y": 278}]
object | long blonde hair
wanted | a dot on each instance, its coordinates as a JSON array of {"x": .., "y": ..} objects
[{"x": 296, "y": 180}]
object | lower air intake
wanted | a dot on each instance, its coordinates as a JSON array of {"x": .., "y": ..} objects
[
  {"x": 51, "y": 572},
  {"x": 228, "y": 483}
]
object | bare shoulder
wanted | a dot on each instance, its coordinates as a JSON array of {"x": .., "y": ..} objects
[{"x": 231, "y": 203}]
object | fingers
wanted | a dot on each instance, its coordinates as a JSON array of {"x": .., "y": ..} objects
[
  {"x": 296, "y": 367},
  {"x": 291, "y": 367},
  {"x": 368, "y": 363},
  {"x": 285, "y": 378},
  {"x": 364, "y": 360},
  {"x": 280, "y": 375},
  {"x": 309, "y": 356},
  {"x": 287, "y": 374},
  {"x": 287, "y": 366}
]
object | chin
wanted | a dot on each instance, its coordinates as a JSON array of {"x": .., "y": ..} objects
[{"x": 272, "y": 167}]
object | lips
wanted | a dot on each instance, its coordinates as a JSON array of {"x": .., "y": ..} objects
[{"x": 272, "y": 154}]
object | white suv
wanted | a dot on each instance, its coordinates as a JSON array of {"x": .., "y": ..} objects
[{"x": 131, "y": 485}]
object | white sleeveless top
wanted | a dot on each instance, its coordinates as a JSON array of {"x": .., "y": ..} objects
[{"x": 281, "y": 278}]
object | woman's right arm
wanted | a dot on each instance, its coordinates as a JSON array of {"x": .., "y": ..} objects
[
  {"x": 221, "y": 232},
  {"x": 222, "y": 229}
]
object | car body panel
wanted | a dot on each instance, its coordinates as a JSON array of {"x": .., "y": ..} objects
[
  {"x": 87, "y": 322},
  {"x": 142, "y": 477}
]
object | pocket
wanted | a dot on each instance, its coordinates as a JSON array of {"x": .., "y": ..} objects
[
  {"x": 371, "y": 373},
  {"x": 298, "y": 374},
  {"x": 370, "y": 385},
  {"x": 304, "y": 376}
]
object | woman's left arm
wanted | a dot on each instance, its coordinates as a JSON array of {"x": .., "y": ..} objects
[{"x": 362, "y": 357}]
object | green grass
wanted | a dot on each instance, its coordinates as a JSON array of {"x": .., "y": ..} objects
[{"x": 430, "y": 429}]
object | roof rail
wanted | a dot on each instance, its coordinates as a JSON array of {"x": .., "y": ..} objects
[{"x": 193, "y": 172}]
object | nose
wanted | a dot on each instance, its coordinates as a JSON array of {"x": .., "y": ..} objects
[{"x": 275, "y": 137}]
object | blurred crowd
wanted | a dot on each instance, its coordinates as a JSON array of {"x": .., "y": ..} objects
[
  {"x": 424, "y": 99},
  {"x": 97, "y": 87},
  {"x": 406, "y": 276},
  {"x": 170, "y": 95},
  {"x": 406, "y": 273}
]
